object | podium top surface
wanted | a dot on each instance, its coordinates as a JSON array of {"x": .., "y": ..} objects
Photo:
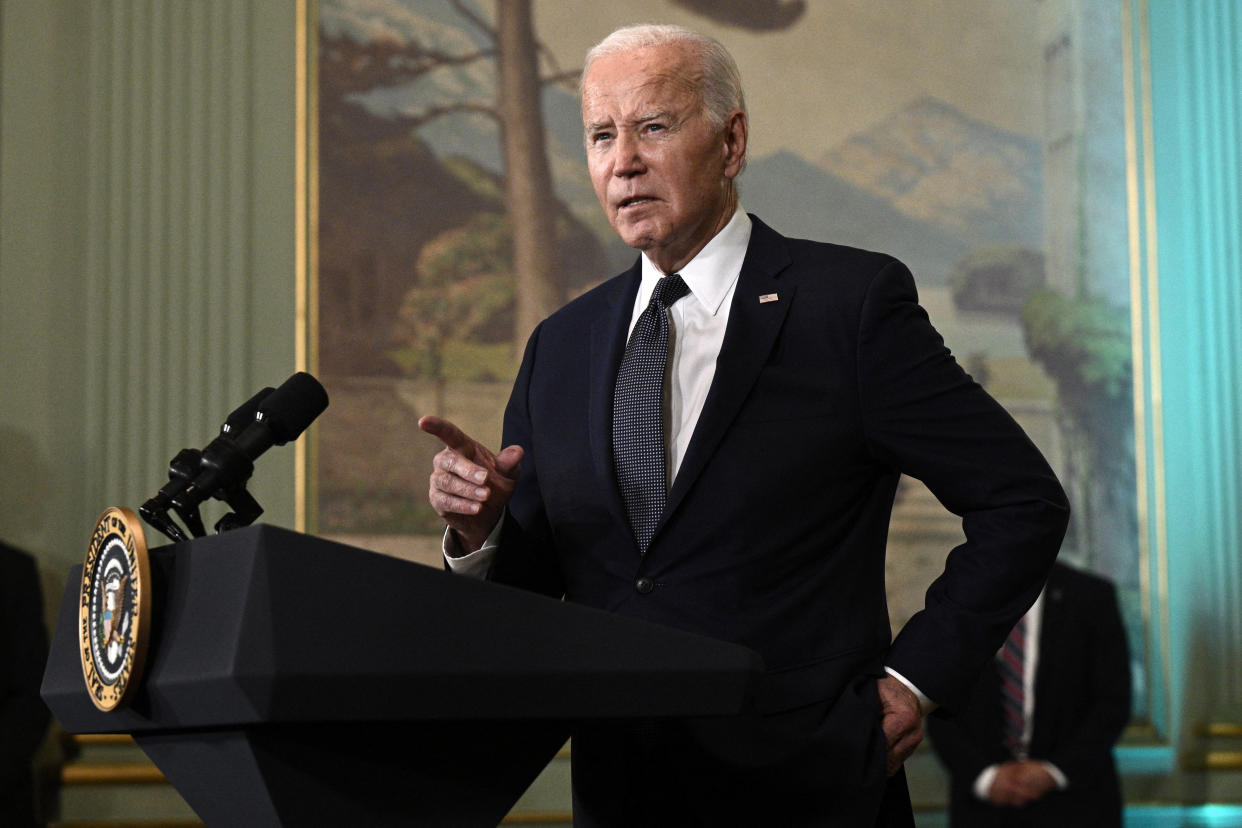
[{"x": 263, "y": 624}]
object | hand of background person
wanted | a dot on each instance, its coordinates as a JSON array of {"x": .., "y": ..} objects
[
  {"x": 469, "y": 484},
  {"x": 1020, "y": 783},
  {"x": 902, "y": 721}
]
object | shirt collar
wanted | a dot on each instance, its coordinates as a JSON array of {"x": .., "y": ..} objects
[{"x": 712, "y": 272}]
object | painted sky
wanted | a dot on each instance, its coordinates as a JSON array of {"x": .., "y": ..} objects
[
  {"x": 844, "y": 66},
  {"x": 850, "y": 61}
]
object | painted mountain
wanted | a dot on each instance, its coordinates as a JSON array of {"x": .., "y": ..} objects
[
  {"x": 805, "y": 201},
  {"x": 927, "y": 184},
  {"x": 967, "y": 179}
]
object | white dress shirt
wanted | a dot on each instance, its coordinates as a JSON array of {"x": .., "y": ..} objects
[{"x": 696, "y": 327}]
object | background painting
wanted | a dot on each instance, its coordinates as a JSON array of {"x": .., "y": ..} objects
[{"x": 981, "y": 141}]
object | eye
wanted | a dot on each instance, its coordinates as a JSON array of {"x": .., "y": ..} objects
[
  {"x": 600, "y": 136},
  {"x": 653, "y": 127}
]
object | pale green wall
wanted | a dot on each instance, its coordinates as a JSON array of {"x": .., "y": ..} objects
[
  {"x": 147, "y": 249},
  {"x": 42, "y": 302}
]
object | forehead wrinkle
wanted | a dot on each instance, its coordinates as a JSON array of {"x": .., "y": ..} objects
[
  {"x": 663, "y": 94},
  {"x": 683, "y": 78},
  {"x": 677, "y": 77}
]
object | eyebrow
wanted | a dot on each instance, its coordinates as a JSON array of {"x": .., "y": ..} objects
[{"x": 653, "y": 115}]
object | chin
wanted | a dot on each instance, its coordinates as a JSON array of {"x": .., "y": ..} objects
[
  {"x": 635, "y": 238},
  {"x": 641, "y": 234}
]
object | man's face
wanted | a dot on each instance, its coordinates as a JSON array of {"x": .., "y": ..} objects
[{"x": 661, "y": 172}]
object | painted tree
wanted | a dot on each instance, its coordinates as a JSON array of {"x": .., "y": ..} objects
[
  {"x": 528, "y": 181},
  {"x": 464, "y": 287},
  {"x": 524, "y": 67},
  {"x": 1083, "y": 343},
  {"x": 351, "y": 68}
]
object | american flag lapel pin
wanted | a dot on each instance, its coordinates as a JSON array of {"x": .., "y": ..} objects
[{"x": 764, "y": 298}]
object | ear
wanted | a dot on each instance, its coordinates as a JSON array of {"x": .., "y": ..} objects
[{"x": 735, "y": 131}]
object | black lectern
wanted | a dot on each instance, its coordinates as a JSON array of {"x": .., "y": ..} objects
[{"x": 295, "y": 681}]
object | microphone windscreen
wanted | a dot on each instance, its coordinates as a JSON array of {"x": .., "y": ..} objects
[{"x": 292, "y": 407}]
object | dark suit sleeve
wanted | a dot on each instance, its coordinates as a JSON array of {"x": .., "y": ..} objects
[
  {"x": 925, "y": 417},
  {"x": 527, "y": 554},
  {"x": 1094, "y": 725}
]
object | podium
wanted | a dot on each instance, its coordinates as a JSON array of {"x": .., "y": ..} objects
[{"x": 291, "y": 680}]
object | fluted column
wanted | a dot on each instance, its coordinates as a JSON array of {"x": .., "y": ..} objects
[{"x": 1196, "y": 100}]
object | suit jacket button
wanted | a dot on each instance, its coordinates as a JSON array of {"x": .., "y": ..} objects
[{"x": 644, "y": 585}]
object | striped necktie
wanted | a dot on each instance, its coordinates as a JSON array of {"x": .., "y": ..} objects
[
  {"x": 1011, "y": 663},
  {"x": 638, "y": 413}
]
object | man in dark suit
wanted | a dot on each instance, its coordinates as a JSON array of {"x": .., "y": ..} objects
[
  {"x": 1062, "y": 772},
  {"x": 801, "y": 380}
]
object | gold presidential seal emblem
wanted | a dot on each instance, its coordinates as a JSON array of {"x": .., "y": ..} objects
[{"x": 114, "y": 608}]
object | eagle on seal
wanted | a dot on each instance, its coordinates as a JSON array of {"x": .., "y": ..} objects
[{"x": 116, "y": 607}]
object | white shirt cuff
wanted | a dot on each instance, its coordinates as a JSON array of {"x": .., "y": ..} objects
[
  {"x": 926, "y": 705},
  {"x": 983, "y": 782},
  {"x": 1055, "y": 773},
  {"x": 473, "y": 564}
]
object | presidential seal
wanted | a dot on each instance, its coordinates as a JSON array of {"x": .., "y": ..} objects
[{"x": 115, "y": 608}]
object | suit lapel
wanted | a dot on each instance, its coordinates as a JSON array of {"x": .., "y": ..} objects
[
  {"x": 749, "y": 337},
  {"x": 608, "y": 334}
]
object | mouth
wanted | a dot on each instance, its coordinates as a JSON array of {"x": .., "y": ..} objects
[{"x": 634, "y": 201}]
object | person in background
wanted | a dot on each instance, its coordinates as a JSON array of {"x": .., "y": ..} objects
[
  {"x": 712, "y": 441},
  {"x": 1033, "y": 747},
  {"x": 23, "y": 715}
]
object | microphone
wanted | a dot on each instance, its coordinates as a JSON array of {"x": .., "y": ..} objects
[
  {"x": 182, "y": 470},
  {"x": 279, "y": 417},
  {"x": 272, "y": 417}
]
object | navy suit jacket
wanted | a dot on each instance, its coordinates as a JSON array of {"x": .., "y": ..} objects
[
  {"x": 1082, "y": 705},
  {"x": 775, "y": 527}
]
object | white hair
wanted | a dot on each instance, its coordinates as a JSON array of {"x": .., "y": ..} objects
[{"x": 719, "y": 82}]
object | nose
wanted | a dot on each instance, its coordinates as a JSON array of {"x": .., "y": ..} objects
[{"x": 628, "y": 161}]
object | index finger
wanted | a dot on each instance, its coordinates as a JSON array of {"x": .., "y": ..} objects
[{"x": 445, "y": 432}]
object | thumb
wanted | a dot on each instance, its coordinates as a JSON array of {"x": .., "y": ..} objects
[{"x": 509, "y": 461}]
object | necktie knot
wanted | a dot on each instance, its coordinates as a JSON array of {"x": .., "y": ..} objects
[{"x": 669, "y": 289}]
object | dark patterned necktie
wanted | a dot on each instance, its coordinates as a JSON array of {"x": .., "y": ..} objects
[
  {"x": 1011, "y": 662},
  {"x": 638, "y": 413}
]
